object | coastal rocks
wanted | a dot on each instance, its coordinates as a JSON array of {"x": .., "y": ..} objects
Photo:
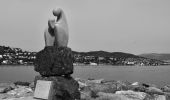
[
  {"x": 107, "y": 88},
  {"x": 120, "y": 90},
  {"x": 128, "y": 95},
  {"x": 66, "y": 88},
  {"x": 90, "y": 90},
  {"x": 5, "y": 87},
  {"x": 122, "y": 85},
  {"x": 21, "y": 91},
  {"x": 139, "y": 87},
  {"x": 22, "y": 83},
  {"x": 161, "y": 97},
  {"x": 166, "y": 88},
  {"x": 132, "y": 95},
  {"x": 110, "y": 96},
  {"x": 154, "y": 90},
  {"x": 15, "y": 92},
  {"x": 54, "y": 61}
]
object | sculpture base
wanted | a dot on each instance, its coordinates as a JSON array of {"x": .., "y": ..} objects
[
  {"x": 64, "y": 88},
  {"x": 54, "y": 61},
  {"x": 44, "y": 90}
]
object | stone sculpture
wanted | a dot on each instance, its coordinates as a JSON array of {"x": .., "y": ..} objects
[
  {"x": 57, "y": 31},
  {"x": 56, "y": 58},
  {"x": 55, "y": 61}
]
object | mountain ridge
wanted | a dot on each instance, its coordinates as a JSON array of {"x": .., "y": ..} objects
[
  {"x": 105, "y": 54},
  {"x": 158, "y": 56}
]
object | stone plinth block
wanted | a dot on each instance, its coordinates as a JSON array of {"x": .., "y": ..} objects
[
  {"x": 44, "y": 90},
  {"x": 54, "y": 61},
  {"x": 64, "y": 88}
]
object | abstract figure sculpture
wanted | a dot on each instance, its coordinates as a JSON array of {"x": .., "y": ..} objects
[
  {"x": 57, "y": 31},
  {"x": 55, "y": 61},
  {"x": 56, "y": 58}
]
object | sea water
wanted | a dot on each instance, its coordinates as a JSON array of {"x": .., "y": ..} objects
[{"x": 159, "y": 75}]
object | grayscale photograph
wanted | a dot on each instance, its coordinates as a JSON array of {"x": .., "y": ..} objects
[{"x": 84, "y": 50}]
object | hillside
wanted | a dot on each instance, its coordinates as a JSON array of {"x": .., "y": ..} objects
[
  {"x": 114, "y": 58},
  {"x": 106, "y": 54},
  {"x": 15, "y": 56},
  {"x": 164, "y": 57}
]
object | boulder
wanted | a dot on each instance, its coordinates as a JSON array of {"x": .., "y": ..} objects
[
  {"x": 54, "y": 61},
  {"x": 22, "y": 83},
  {"x": 135, "y": 84},
  {"x": 21, "y": 91},
  {"x": 122, "y": 85},
  {"x": 132, "y": 95},
  {"x": 31, "y": 85},
  {"x": 5, "y": 87},
  {"x": 111, "y": 96},
  {"x": 65, "y": 88},
  {"x": 166, "y": 88},
  {"x": 160, "y": 97},
  {"x": 167, "y": 96},
  {"x": 86, "y": 93},
  {"x": 95, "y": 81},
  {"x": 139, "y": 87},
  {"x": 154, "y": 90},
  {"x": 107, "y": 88}
]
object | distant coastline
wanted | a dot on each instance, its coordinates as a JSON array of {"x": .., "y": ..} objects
[{"x": 16, "y": 56}]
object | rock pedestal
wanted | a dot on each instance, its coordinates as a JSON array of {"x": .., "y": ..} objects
[
  {"x": 64, "y": 88},
  {"x": 55, "y": 64},
  {"x": 54, "y": 61}
]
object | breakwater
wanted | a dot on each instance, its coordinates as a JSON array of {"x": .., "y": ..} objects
[{"x": 92, "y": 89}]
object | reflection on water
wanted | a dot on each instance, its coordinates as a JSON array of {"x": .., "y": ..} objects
[{"x": 149, "y": 74}]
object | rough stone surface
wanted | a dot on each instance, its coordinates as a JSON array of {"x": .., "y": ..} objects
[
  {"x": 65, "y": 88},
  {"x": 132, "y": 94},
  {"x": 88, "y": 92},
  {"x": 5, "y": 87},
  {"x": 54, "y": 61},
  {"x": 107, "y": 88},
  {"x": 21, "y": 91},
  {"x": 110, "y": 96},
  {"x": 17, "y": 92},
  {"x": 166, "y": 88},
  {"x": 154, "y": 90},
  {"x": 161, "y": 97},
  {"x": 119, "y": 90}
]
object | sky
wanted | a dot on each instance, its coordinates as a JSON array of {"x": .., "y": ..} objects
[{"x": 131, "y": 26}]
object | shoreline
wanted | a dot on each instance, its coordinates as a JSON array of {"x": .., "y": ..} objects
[{"x": 92, "y": 89}]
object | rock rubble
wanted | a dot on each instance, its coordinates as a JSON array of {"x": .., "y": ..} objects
[{"x": 92, "y": 90}]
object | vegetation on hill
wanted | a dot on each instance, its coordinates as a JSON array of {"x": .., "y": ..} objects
[
  {"x": 164, "y": 57},
  {"x": 105, "y": 54},
  {"x": 12, "y": 56},
  {"x": 113, "y": 58}
]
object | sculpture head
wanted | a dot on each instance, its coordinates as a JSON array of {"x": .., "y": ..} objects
[{"x": 58, "y": 13}]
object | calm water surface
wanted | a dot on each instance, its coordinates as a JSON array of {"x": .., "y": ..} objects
[{"x": 159, "y": 75}]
